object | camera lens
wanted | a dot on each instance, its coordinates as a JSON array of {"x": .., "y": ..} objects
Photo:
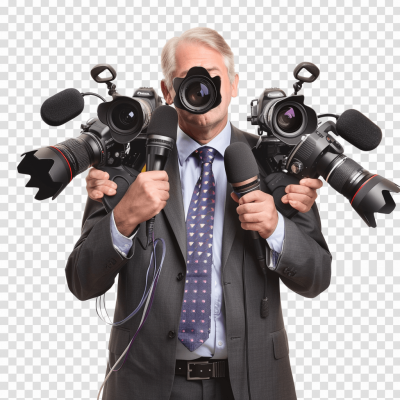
[
  {"x": 124, "y": 116},
  {"x": 289, "y": 119},
  {"x": 197, "y": 94}
]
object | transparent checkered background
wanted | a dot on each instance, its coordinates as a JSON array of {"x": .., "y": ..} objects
[{"x": 344, "y": 343}]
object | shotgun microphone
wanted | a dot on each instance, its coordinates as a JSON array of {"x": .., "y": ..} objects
[
  {"x": 62, "y": 107},
  {"x": 358, "y": 130}
]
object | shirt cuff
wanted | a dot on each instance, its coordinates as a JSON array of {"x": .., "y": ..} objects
[
  {"x": 276, "y": 239},
  {"x": 275, "y": 242},
  {"x": 120, "y": 242}
]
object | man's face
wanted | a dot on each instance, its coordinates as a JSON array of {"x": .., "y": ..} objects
[{"x": 191, "y": 55}]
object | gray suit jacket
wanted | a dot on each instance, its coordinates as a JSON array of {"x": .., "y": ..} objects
[{"x": 148, "y": 372}]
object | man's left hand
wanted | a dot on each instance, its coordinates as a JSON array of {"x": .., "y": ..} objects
[
  {"x": 257, "y": 211},
  {"x": 302, "y": 196}
]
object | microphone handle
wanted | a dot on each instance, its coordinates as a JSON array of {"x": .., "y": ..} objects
[
  {"x": 150, "y": 229},
  {"x": 260, "y": 250}
]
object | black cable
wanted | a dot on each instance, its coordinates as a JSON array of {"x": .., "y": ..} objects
[
  {"x": 93, "y": 94},
  {"x": 328, "y": 115}
]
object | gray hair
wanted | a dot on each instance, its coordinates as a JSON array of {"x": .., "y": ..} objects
[{"x": 201, "y": 35}]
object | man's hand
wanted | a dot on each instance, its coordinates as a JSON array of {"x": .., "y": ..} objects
[
  {"x": 257, "y": 212},
  {"x": 98, "y": 184},
  {"x": 144, "y": 199},
  {"x": 302, "y": 196}
]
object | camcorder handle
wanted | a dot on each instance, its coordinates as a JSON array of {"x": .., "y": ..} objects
[
  {"x": 123, "y": 176},
  {"x": 276, "y": 183}
]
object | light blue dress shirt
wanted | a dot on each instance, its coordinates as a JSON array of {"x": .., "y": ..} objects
[{"x": 190, "y": 170}]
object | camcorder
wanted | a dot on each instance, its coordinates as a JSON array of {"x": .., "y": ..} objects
[
  {"x": 299, "y": 145},
  {"x": 293, "y": 143}
]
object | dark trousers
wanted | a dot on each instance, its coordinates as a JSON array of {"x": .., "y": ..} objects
[{"x": 205, "y": 389}]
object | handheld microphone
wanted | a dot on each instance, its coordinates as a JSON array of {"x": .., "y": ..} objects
[
  {"x": 62, "y": 107},
  {"x": 161, "y": 138},
  {"x": 358, "y": 130},
  {"x": 243, "y": 175}
]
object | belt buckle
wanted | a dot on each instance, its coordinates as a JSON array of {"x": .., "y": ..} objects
[{"x": 189, "y": 378}]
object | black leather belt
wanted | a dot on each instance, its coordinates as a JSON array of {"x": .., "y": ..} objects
[{"x": 202, "y": 368}]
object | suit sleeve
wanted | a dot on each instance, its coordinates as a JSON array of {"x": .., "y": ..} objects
[
  {"x": 94, "y": 262},
  {"x": 304, "y": 264}
]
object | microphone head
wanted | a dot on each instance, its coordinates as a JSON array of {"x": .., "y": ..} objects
[
  {"x": 358, "y": 130},
  {"x": 240, "y": 163},
  {"x": 62, "y": 107},
  {"x": 164, "y": 122}
]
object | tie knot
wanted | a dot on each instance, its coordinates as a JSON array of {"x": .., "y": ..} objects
[{"x": 206, "y": 154}]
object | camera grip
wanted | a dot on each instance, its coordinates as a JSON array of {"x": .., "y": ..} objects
[
  {"x": 123, "y": 176},
  {"x": 276, "y": 183}
]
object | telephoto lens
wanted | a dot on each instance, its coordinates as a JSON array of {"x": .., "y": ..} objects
[
  {"x": 52, "y": 168},
  {"x": 197, "y": 93}
]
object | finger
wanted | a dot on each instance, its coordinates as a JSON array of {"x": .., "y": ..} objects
[
  {"x": 97, "y": 183},
  {"x": 95, "y": 173},
  {"x": 299, "y": 206},
  {"x": 163, "y": 195},
  {"x": 161, "y": 185},
  {"x": 235, "y": 197},
  {"x": 312, "y": 183},
  {"x": 96, "y": 194},
  {"x": 250, "y": 208},
  {"x": 255, "y": 195},
  {"x": 301, "y": 198},
  {"x": 156, "y": 175},
  {"x": 301, "y": 189},
  {"x": 103, "y": 190},
  {"x": 255, "y": 217},
  {"x": 251, "y": 226}
]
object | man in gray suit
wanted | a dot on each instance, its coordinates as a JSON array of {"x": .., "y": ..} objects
[{"x": 243, "y": 355}]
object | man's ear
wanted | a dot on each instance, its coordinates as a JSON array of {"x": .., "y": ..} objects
[
  {"x": 235, "y": 86},
  {"x": 167, "y": 97}
]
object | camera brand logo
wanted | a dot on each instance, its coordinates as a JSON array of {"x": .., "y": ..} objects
[
  {"x": 143, "y": 93},
  {"x": 290, "y": 113}
]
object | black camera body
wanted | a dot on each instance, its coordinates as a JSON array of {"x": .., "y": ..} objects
[
  {"x": 285, "y": 118},
  {"x": 128, "y": 116}
]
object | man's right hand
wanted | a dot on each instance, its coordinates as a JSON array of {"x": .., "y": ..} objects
[{"x": 144, "y": 199}]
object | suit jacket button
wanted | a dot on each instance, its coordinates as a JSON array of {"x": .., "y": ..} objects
[
  {"x": 171, "y": 334},
  {"x": 180, "y": 276}
]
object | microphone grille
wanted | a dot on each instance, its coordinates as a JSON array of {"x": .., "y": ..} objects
[
  {"x": 358, "y": 130},
  {"x": 62, "y": 107},
  {"x": 240, "y": 163},
  {"x": 164, "y": 121}
]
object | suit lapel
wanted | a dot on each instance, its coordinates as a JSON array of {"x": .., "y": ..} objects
[
  {"x": 231, "y": 218},
  {"x": 174, "y": 210}
]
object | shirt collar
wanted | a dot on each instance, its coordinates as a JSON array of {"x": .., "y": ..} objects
[{"x": 186, "y": 145}]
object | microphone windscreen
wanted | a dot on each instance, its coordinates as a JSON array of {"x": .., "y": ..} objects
[
  {"x": 240, "y": 163},
  {"x": 164, "y": 122},
  {"x": 62, "y": 107},
  {"x": 358, "y": 130}
]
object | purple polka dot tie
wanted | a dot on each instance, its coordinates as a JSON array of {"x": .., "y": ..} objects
[{"x": 195, "y": 322}]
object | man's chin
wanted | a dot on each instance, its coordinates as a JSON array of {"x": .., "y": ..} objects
[{"x": 208, "y": 119}]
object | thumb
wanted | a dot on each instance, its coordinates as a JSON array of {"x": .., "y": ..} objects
[{"x": 234, "y": 197}]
